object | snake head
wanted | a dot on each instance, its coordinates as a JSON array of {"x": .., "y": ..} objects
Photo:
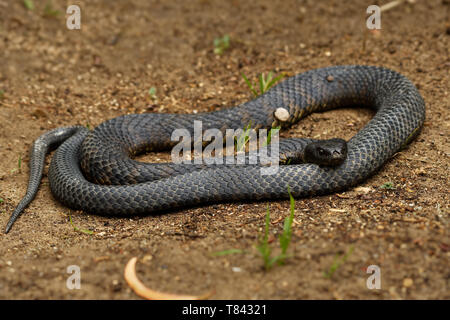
[{"x": 331, "y": 152}]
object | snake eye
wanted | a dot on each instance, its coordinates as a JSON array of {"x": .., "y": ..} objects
[{"x": 321, "y": 152}]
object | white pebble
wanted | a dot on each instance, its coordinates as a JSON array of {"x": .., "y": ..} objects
[{"x": 281, "y": 114}]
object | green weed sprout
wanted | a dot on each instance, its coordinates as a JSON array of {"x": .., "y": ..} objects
[
  {"x": 265, "y": 83},
  {"x": 221, "y": 44},
  {"x": 78, "y": 229},
  {"x": 29, "y": 4},
  {"x": 284, "y": 240},
  {"x": 152, "y": 93},
  {"x": 387, "y": 186},
  {"x": 338, "y": 261}
]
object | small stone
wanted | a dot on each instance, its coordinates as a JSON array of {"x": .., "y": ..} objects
[
  {"x": 116, "y": 285},
  {"x": 147, "y": 257},
  {"x": 408, "y": 282},
  {"x": 364, "y": 190},
  {"x": 281, "y": 114},
  {"x": 330, "y": 78},
  {"x": 420, "y": 171},
  {"x": 236, "y": 269}
]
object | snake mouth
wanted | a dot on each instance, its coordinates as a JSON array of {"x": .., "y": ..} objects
[
  {"x": 337, "y": 158},
  {"x": 336, "y": 155}
]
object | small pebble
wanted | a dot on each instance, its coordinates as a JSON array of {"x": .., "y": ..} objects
[
  {"x": 364, "y": 190},
  {"x": 281, "y": 114},
  {"x": 408, "y": 282}
]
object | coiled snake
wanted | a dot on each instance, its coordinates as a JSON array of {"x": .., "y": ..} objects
[{"x": 104, "y": 154}]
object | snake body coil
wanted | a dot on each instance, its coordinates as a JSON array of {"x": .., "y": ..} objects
[{"x": 104, "y": 153}]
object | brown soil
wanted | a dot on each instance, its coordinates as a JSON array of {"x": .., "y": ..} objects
[{"x": 51, "y": 76}]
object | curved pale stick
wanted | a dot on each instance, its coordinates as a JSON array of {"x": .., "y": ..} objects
[{"x": 141, "y": 290}]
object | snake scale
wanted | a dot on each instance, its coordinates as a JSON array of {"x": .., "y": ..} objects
[{"x": 85, "y": 158}]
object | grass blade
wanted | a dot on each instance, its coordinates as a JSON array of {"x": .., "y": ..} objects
[
  {"x": 249, "y": 84},
  {"x": 28, "y": 4},
  {"x": 275, "y": 80},
  {"x": 285, "y": 238},
  {"x": 78, "y": 229},
  {"x": 261, "y": 83}
]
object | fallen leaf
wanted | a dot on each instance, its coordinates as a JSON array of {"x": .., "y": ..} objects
[{"x": 141, "y": 290}]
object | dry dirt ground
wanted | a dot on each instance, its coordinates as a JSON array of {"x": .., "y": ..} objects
[{"x": 51, "y": 76}]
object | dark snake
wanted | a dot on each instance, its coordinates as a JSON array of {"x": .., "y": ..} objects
[{"x": 85, "y": 158}]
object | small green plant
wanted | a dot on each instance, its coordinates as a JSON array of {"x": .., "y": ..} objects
[
  {"x": 19, "y": 165},
  {"x": 265, "y": 83},
  {"x": 29, "y": 4},
  {"x": 221, "y": 44},
  {"x": 284, "y": 240},
  {"x": 286, "y": 236},
  {"x": 78, "y": 229},
  {"x": 387, "y": 186},
  {"x": 2, "y": 94},
  {"x": 88, "y": 126},
  {"x": 49, "y": 11},
  {"x": 1, "y": 200},
  {"x": 263, "y": 247},
  {"x": 243, "y": 138},
  {"x": 152, "y": 93},
  {"x": 338, "y": 261},
  {"x": 272, "y": 132}
]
